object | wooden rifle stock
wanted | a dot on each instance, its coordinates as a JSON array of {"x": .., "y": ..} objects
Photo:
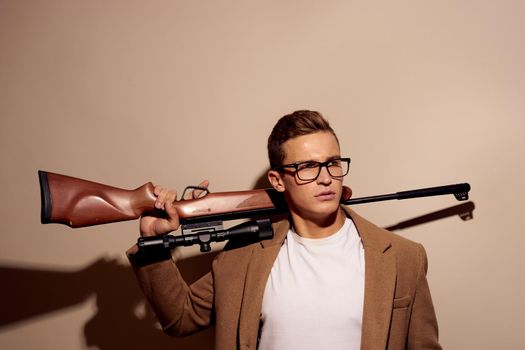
[{"x": 78, "y": 203}]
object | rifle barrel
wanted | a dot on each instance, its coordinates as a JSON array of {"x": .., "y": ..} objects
[{"x": 460, "y": 191}]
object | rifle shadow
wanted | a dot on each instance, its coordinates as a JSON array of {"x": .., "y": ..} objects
[
  {"x": 123, "y": 319},
  {"x": 465, "y": 211}
]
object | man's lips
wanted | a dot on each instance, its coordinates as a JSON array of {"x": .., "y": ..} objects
[{"x": 325, "y": 195}]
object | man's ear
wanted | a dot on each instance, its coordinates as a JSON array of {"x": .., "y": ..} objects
[{"x": 276, "y": 180}]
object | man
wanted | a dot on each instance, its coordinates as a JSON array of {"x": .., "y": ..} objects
[{"x": 328, "y": 279}]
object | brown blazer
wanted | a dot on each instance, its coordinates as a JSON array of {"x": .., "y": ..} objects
[{"x": 398, "y": 311}]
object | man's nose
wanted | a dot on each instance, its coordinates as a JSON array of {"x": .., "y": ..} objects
[{"x": 324, "y": 176}]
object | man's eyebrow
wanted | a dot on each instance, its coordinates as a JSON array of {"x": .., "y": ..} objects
[{"x": 311, "y": 160}]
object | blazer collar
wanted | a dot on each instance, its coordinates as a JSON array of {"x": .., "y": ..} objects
[{"x": 373, "y": 237}]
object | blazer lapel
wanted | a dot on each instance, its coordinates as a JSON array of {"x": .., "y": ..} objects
[
  {"x": 259, "y": 268},
  {"x": 380, "y": 282}
]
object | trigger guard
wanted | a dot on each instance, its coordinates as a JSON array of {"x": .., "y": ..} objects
[{"x": 192, "y": 188}]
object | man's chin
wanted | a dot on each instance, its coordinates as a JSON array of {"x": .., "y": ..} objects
[{"x": 323, "y": 210}]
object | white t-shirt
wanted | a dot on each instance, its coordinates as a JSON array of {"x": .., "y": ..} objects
[{"x": 314, "y": 295}]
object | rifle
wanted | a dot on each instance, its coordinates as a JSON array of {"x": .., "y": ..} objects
[{"x": 79, "y": 203}]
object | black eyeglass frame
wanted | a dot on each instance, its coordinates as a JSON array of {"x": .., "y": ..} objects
[{"x": 320, "y": 165}]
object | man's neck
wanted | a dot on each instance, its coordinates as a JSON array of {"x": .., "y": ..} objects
[{"x": 318, "y": 228}]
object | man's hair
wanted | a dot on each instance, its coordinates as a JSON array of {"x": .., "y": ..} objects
[{"x": 298, "y": 123}]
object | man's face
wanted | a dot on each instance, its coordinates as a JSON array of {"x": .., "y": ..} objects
[{"x": 311, "y": 200}]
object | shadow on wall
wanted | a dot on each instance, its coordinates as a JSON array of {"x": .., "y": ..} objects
[{"x": 123, "y": 319}]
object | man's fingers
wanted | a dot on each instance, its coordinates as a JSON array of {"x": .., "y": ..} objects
[
  {"x": 204, "y": 183},
  {"x": 171, "y": 196},
  {"x": 156, "y": 225},
  {"x": 165, "y": 200},
  {"x": 200, "y": 193},
  {"x": 173, "y": 218},
  {"x": 164, "y": 195},
  {"x": 161, "y": 193}
]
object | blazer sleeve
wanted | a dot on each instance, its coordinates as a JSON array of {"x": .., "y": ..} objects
[
  {"x": 181, "y": 309},
  {"x": 423, "y": 327}
]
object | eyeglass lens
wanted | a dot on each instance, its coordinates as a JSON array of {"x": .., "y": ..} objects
[{"x": 311, "y": 170}]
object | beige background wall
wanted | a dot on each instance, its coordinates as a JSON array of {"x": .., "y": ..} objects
[{"x": 422, "y": 93}]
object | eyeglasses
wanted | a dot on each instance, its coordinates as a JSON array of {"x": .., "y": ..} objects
[{"x": 310, "y": 170}]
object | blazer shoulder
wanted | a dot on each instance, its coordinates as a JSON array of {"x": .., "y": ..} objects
[
  {"x": 402, "y": 243},
  {"x": 411, "y": 257}
]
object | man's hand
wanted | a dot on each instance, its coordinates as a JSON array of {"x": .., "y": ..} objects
[{"x": 151, "y": 225}]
